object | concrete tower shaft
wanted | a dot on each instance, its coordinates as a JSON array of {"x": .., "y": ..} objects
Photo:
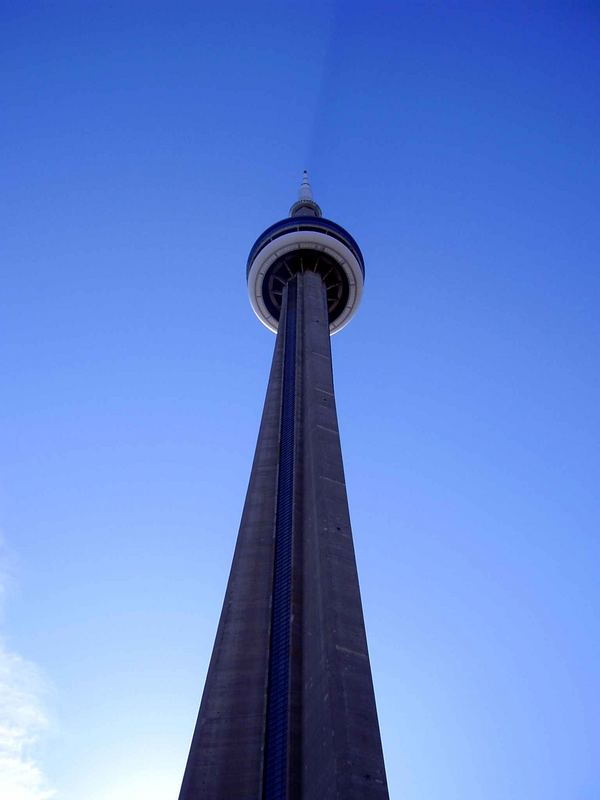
[{"x": 288, "y": 710}]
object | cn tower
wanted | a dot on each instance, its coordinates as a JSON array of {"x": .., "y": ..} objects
[{"x": 288, "y": 710}]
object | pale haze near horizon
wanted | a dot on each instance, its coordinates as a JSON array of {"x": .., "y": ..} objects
[{"x": 145, "y": 147}]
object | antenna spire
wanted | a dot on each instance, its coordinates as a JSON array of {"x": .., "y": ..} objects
[
  {"x": 305, "y": 206},
  {"x": 305, "y": 188}
]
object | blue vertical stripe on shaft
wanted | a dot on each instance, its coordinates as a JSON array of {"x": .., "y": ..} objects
[{"x": 276, "y": 759}]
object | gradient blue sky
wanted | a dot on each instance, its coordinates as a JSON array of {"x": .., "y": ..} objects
[{"x": 145, "y": 145}]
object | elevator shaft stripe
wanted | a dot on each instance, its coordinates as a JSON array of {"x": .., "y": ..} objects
[{"x": 276, "y": 759}]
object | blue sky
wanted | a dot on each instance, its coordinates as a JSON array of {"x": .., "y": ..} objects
[{"x": 145, "y": 146}]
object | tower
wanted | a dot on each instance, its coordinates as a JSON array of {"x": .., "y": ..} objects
[{"x": 288, "y": 710}]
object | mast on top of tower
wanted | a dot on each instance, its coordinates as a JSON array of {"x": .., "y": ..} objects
[{"x": 305, "y": 206}]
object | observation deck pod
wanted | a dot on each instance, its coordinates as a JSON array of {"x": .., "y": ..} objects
[{"x": 305, "y": 243}]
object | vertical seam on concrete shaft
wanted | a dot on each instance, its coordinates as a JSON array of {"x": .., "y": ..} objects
[
  {"x": 315, "y": 543},
  {"x": 276, "y": 756}
]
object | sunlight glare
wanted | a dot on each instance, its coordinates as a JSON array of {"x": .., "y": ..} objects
[{"x": 147, "y": 786}]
